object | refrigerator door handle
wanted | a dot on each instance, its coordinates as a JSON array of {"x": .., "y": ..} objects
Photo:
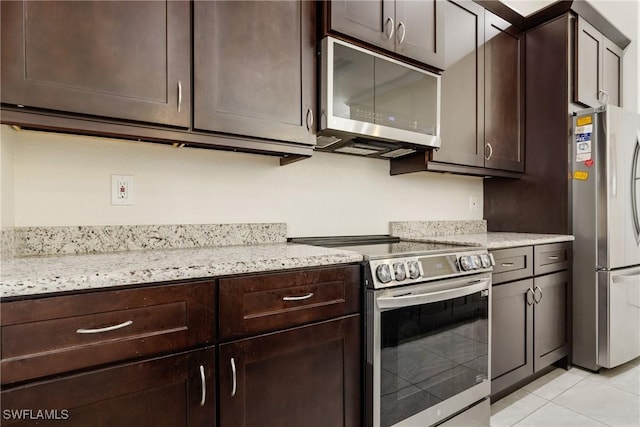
[
  {"x": 634, "y": 189},
  {"x": 614, "y": 166}
]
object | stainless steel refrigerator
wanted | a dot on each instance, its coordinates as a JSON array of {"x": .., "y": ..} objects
[{"x": 605, "y": 159}]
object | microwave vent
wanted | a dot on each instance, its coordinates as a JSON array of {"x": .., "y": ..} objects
[{"x": 325, "y": 141}]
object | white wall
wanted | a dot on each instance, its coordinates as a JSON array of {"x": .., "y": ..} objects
[
  {"x": 7, "y": 203},
  {"x": 65, "y": 180}
]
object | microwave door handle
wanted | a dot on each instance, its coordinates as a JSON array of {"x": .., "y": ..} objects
[{"x": 429, "y": 297}]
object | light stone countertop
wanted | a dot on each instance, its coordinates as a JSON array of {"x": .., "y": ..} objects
[
  {"x": 60, "y": 273},
  {"x": 499, "y": 240}
]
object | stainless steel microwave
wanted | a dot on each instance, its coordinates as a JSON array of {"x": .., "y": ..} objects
[{"x": 375, "y": 106}]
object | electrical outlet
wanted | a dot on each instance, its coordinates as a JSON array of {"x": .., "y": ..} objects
[
  {"x": 121, "y": 189},
  {"x": 473, "y": 203}
]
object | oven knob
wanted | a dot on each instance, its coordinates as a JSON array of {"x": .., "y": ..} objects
[
  {"x": 477, "y": 262},
  {"x": 384, "y": 273},
  {"x": 399, "y": 271},
  {"x": 466, "y": 263},
  {"x": 486, "y": 261},
  {"x": 414, "y": 269}
]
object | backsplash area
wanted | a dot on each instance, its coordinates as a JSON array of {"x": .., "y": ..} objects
[
  {"x": 422, "y": 229},
  {"x": 34, "y": 241},
  {"x": 30, "y": 241}
]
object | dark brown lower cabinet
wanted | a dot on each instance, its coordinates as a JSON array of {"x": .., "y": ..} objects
[
  {"x": 307, "y": 376},
  {"x": 172, "y": 391},
  {"x": 529, "y": 330}
]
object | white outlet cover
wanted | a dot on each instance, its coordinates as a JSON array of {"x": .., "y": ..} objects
[
  {"x": 473, "y": 203},
  {"x": 122, "y": 190}
]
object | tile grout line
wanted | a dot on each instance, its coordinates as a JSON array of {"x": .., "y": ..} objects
[
  {"x": 532, "y": 412},
  {"x": 525, "y": 416},
  {"x": 574, "y": 410}
]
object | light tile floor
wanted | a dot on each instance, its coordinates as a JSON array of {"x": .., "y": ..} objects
[{"x": 574, "y": 398}]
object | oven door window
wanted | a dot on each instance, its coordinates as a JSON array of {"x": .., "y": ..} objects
[{"x": 430, "y": 353}]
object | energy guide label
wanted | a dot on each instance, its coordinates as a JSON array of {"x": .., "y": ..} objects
[{"x": 583, "y": 142}]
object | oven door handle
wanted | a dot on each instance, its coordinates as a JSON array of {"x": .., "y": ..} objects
[{"x": 406, "y": 300}]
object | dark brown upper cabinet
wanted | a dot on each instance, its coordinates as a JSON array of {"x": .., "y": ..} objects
[
  {"x": 412, "y": 29},
  {"x": 125, "y": 60},
  {"x": 598, "y": 71},
  {"x": 481, "y": 116},
  {"x": 254, "y": 69},
  {"x": 462, "y": 85},
  {"x": 503, "y": 96}
]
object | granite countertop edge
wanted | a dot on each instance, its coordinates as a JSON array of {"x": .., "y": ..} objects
[
  {"x": 45, "y": 275},
  {"x": 500, "y": 240}
]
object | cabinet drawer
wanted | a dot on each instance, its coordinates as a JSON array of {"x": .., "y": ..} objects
[
  {"x": 261, "y": 303},
  {"x": 551, "y": 257},
  {"x": 51, "y": 335},
  {"x": 512, "y": 264}
]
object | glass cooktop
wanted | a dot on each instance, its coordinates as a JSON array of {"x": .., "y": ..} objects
[{"x": 382, "y": 246}]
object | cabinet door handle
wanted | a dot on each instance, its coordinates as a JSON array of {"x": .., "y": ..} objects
[
  {"x": 309, "y": 119},
  {"x": 404, "y": 32},
  {"x": 233, "y": 377},
  {"x": 179, "y": 95},
  {"x": 488, "y": 156},
  {"x": 506, "y": 264},
  {"x": 203, "y": 396},
  {"x": 553, "y": 257},
  {"x": 537, "y": 300},
  {"x": 389, "y": 24},
  {"x": 603, "y": 97},
  {"x": 530, "y": 296},
  {"x": 106, "y": 329},
  {"x": 300, "y": 298}
]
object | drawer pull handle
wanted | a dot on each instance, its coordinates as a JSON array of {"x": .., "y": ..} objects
[
  {"x": 303, "y": 297},
  {"x": 107, "y": 329},
  {"x": 203, "y": 397},
  {"x": 537, "y": 300},
  {"x": 553, "y": 257},
  {"x": 507, "y": 264},
  {"x": 233, "y": 376}
]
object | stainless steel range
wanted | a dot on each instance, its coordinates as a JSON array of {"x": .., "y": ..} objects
[{"x": 427, "y": 331}]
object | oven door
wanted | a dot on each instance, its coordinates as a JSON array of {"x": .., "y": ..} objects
[{"x": 428, "y": 349}]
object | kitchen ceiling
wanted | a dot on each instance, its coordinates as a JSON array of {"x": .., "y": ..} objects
[{"x": 527, "y": 7}]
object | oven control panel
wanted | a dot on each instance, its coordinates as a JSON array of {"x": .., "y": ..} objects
[{"x": 421, "y": 268}]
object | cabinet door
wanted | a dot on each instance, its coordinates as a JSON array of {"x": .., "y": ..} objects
[
  {"x": 551, "y": 338},
  {"x": 462, "y": 85},
  {"x": 511, "y": 333},
  {"x": 308, "y": 376},
  {"x": 126, "y": 60},
  {"x": 372, "y": 21},
  {"x": 588, "y": 71},
  {"x": 420, "y": 30},
  {"x": 171, "y": 391},
  {"x": 612, "y": 72},
  {"x": 598, "y": 68},
  {"x": 503, "y": 95},
  {"x": 254, "y": 69}
]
